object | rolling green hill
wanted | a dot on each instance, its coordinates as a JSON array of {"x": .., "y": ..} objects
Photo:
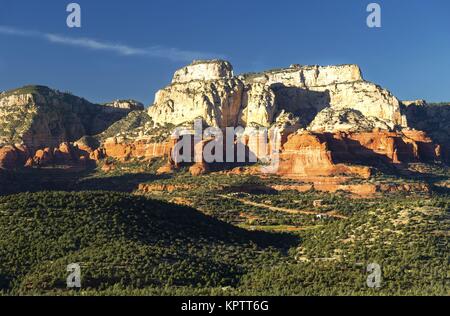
[
  {"x": 122, "y": 240},
  {"x": 134, "y": 245}
]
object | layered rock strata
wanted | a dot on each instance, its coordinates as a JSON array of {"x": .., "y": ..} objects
[
  {"x": 208, "y": 89},
  {"x": 36, "y": 120},
  {"x": 312, "y": 154}
]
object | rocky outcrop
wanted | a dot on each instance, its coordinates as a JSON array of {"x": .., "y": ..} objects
[
  {"x": 217, "y": 102},
  {"x": 306, "y": 90},
  {"x": 12, "y": 157},
  {"x": 37, "y": 117},
  {"x": 131, "y": 105},
  {"x": 307, "y": 154},
  {"x": 204, "y": 70},
  {"x": 168, "y": 168},
  {"x": 330, "y": 120},
  {"x": 380, "y": 145},
  {"x": 434, "y": 120},
  {"x": 360, "y": 190},
  {"x": 420, "y": 102},
  {"x": 322, "y": 99},
  {"x": 208, "y": 89},
  {"x": 64, "y": 154},
  {"x": 258, "y": 106},
  {"x": 41, "y": 119},
  {"x": 9, "y": 157},
  {"x": 123, "y": 151}
]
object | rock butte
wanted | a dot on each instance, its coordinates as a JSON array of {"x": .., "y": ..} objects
[
  {"x": 332, "y": 121},
  {"x": 209, "y": 90}
]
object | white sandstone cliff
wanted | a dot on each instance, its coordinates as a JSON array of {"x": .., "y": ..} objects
[{"x": 208, "y": 90}]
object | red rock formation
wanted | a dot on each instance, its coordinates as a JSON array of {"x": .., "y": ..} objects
[
  {"x": 63, "y": 154},
  {"x": 43, "y": 157},
  {"x": 97, "y": 154},
  {"x": 20, "y": 156},
  {"x": 166, "y": 169},
  {"x": 427, "y": 150},
  {"x": 107, "y": 167},
  {"x": 243, "y": 171},
  {"x": 394, "y": 147},
  {"x": 139, "y": 149},
  {"x": 306, "y": 154},
  {"x": 362, "y": 190},
  {"x": 198, "y": 168}
]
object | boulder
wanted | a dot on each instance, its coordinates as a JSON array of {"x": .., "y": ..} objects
[
  {"x": 131, "y": 105},
  {"x": 198, "y": 169},
  {"x": 9, "y": 157},
  {"x": 43, "y": 157},
  {"x": 166, "y": 169}
]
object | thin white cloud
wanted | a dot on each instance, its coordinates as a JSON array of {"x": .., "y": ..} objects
[
  {"x": 95, "y": 45},
  {"x": 13, "y": 31},
  {"x": 173, "y": 54}
]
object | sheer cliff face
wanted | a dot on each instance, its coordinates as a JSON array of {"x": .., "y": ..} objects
[
  {"x": 216, "y": 101},
  {"x": 209, "y": 90},
  {"x": 204, "y": 90},
  {"x": 39, "y": 117}
]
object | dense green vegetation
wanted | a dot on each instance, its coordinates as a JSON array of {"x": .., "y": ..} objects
[
  {"x": 29, "y": 89},
  {"x": 137, "y": 245},
  {"x": 122, "y": 240},
  {"x": 127, "y": 125},
  {"x": 218, "y": 234}
]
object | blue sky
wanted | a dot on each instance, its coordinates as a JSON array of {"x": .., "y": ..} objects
[{"x": 130, "y": 49}]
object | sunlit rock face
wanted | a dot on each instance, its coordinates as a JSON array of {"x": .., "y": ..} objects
[
  {"x": 37, "y": 120},
  {"x": 204, "y": 70},
  {"x": 38, "y": 117},
  {"x": 307, "y": 90},
  {"x": 330, "y": 120},
  {"x": 327, "y": 116},
  {"x": 203, "y": 89},
  {"x": 215, "y": 101},
  {"x": 257, "y": 106},
  {"x": 209, "y": 90},
  {"x": 307, "y": 154},
  {"x": 131, "y": 105}
]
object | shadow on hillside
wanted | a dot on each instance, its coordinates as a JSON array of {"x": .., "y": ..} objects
[
  {"x": 350, "y": 151},
  {"x": 432, "y": 119},
  {"x": 75, "y": 181},
  {"x": 69, "y": 179},
  {"x": 126, "y": 183},
  {"x": 311, "y": 102},
  {"x": 204, "y": 226}
]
